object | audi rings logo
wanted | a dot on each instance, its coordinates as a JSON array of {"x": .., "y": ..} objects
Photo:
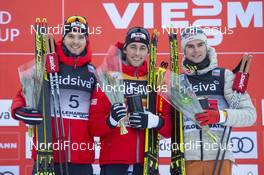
[
  {"x": 243, "y": 144},
  {"x": 6, "y": 173}
]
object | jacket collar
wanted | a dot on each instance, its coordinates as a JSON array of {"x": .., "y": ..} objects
[{"x": 213, "y": 64}]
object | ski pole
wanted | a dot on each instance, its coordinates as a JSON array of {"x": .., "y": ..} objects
[
  {"x": 53, "y": 69},
  {"x": 239, "y": 87}
]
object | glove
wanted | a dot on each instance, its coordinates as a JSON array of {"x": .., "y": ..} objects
[
  {"x": 29, "y": 115},
  {"x": 118, "y": 111},
  {"x": 210, "y": 116},
  {"x": 145, "y": 120}
]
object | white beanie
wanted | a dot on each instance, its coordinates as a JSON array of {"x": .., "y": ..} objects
[{"x": 190, "y": 34}]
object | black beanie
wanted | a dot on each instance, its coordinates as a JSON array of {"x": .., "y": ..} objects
[
  {"x": 137, "y": 34},
  {"x": 76, "y": 24}
]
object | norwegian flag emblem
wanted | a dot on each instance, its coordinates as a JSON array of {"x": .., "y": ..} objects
[{"x": 216, "y": 72}]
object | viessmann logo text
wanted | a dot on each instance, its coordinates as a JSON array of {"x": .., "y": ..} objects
[{"x": 175, "y": 14}]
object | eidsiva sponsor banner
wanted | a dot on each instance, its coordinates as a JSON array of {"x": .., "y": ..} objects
[
  {"x": 5, "y": 114},
  {"x": 244, "y": 145},
  {"x": 9, "y": 170},
  {"x": 245, "y": 169}
]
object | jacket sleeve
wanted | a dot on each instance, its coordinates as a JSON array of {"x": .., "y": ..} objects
[
  {"x": 165, "y": 113},
  {"x": 98, "y": 113},
  {"x": 245, "y": 113},
  {"x": 18, "y": 101}
]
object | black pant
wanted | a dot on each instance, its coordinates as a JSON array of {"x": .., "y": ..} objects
[
  {"x": 120, "y": 169},
  {"x": 74, "y": 169}
]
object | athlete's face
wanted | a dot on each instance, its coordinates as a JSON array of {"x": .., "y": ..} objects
[
  {"x": 195, "y": 51},
  {"x": 136, "y": 53},
  {"x": 75, "y": 42}
]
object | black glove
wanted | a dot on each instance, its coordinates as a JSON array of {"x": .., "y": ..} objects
[
  {"x": 29, "y": 115},
  {"x": 118, "y": 111},
  {"x": 145, "y": 120}
]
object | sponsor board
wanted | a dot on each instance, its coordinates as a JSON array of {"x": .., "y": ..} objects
[
  {"x": 245, "y": 169},
  {"x": 9, "y": 145},
  {"x": 5, "y": 114},
  {"x": 28, "y": 147},
  {"x": 9, "y": 170},
  {"x": 244, "y": 145},
  {"x": 262, "y": 110}
]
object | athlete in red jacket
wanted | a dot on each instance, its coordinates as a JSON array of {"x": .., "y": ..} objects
[
  {"x": 74, "y": 60},
  {"x": 121, "y": 154}
]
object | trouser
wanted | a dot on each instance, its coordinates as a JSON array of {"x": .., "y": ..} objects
[
  {"x": 121, "y": 169},
  {"x": 196, "y": 167},
  {"x": 74, "y": 169}
]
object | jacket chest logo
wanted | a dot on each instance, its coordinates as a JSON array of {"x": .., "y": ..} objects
[
  {"x": 69, "y": 80},
  {"x": 206, "y": 87}
]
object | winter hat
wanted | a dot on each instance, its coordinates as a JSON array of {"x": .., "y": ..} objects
[
  {"x": 137, "y": 34},
  {"x": 75, "y": 24},
  {"x": 190, "y": 34}
]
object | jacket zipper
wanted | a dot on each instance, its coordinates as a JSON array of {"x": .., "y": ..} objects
[
  {"x": 75, "y": 62},
  {"x": 136, "y": 72},
  {"x": 201, "y": 139},
  {"x": 69, "y": 138}
]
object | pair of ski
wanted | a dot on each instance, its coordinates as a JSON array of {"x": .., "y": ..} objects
[
  {"x": 152, "y": 137},
  {"x": 177, "y": 166},
  {"x": 154, "y": 105},
  {"x": 48, "y": 67}
]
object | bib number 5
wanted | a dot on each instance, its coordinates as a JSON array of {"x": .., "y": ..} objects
[{"x": 74, "y": 103}]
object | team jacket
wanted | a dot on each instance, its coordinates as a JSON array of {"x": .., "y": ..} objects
[
  {"x": 77, "y": 83},
  {"x": 116, "y": 148},
  {"x": 216, "y": 84}
]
